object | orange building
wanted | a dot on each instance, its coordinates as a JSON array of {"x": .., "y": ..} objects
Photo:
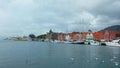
[
  {"x": 78, "y": 35},
  {"x": 98, "y": 35},
  {"x": 84, "y": 34},
  {"x": 111, "y": 34},
  {"x": 74, "y": 35},
  {"x": 61, "y": 36},
  {"x": 106, "y": 35}
]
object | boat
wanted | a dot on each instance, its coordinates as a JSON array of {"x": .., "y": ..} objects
[
  {"x": 90, "y": 39},
  {"x": 69, "y": 42},
  {"x": 92, "y": 42},
  {"x": 103, "y": 42},
  {"x": 78, "y": 42},
  {"x": 115, "y": 42}
]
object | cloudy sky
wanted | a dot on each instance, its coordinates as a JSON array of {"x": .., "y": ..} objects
[{"x": 23, "y": 17}]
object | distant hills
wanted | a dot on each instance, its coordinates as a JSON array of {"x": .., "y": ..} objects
[{"x": 115, "y": 27}]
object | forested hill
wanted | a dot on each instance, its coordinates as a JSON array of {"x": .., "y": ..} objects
[{"x": 115, "y": 27}]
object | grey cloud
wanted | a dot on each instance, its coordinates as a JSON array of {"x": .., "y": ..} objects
[
  {"x": 108, "y": 8},
  {"x": 30, "y": 16}
]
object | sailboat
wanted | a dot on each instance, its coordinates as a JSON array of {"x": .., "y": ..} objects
[{"x": 80, "y": 35}]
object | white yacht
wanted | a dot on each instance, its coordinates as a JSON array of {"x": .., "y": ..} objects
[{"x": 115, "y": 42}]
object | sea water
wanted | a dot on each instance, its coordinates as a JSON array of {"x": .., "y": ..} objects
[{"x": 16, "y": 54}]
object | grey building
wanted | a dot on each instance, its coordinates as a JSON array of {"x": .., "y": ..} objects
[{"x": 51, "y": 36}]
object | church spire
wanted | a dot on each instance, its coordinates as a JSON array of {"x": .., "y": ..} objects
[{"x": 50, "y": 31}]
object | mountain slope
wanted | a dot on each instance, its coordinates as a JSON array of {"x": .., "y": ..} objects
[{"x": 115, "y": 27}]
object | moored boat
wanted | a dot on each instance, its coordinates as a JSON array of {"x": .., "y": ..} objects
[
  {"x": 92, "y": 42},
  {"x": 115, "y": 42},
  {"x": 78, "y": 42}
]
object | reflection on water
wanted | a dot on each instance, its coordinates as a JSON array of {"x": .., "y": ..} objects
[{"x": 57, "y": 55}]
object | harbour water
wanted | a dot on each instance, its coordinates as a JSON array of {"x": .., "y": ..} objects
[{"x": 57, "y": 55}]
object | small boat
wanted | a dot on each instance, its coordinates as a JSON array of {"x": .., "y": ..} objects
[
  {"x": 78, "y": 42},
  {"x": 94, "y": 43}
]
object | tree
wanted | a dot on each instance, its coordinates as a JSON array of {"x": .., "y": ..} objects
[
  {"x": 43, "y": 36},
  {"x": 32, "y": 36}
]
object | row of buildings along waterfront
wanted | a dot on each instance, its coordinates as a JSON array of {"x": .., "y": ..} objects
[{"x": 74, "y": 36}]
